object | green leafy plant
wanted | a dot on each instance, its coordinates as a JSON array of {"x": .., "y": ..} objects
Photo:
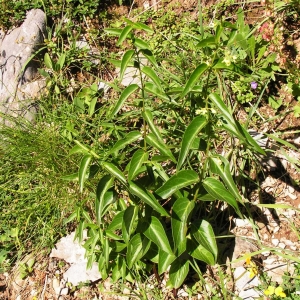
[{"x": 162, "y": 175}]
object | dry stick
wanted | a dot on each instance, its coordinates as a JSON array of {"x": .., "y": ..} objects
[{"x": 44, "y": 288}]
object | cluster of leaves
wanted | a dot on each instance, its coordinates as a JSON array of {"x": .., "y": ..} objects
[
  {"x": 13, "y": 12},
  {"x": 162, "y": 173}
]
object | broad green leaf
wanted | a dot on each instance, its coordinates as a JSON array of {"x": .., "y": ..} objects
[
  {"x": 60, "y": 63},
  {"x": 83, "y": 168},
  {"x": 219, "y": 165},
  {"x": 152, "y": 75},
  {"x": 114, "y": 31},
  {"x": 153, "y": 89},
  {"x": 124, "y": 34},
  {"x": 104, "y": 184},
  {"x": 193, "y": 79},
  {"x": 125, "y": 94},
  {"x": 232, "y": 125},
  {"x": 138, "y": 158},
  {"x": 178, "y": 181},
  {"x": 156, "y": 233},
  {"x": 113, "y": 236},
  {"x": 207, "y": 42},
  {"x": 115, "y": 172},
  {"x": 129, "y": 217},
  {"x": 147, "y": 197},
  {"x": 138, "y": 246},
  {"x": 149, "y": 55},
  {"x": 216, "y": 189},
  {"x": 128, "y": 139},
  {"x": 124, "y": 63},
  {"x": 199, "y": 252},
  {"x": 139, "y": 43},
  {"x": 189, "y": 136},
  {"x": 117, "y": 246},
  {"x": 180, "y": 214},
  {"x": 164, "y": 260},
  {"x": 116, "y": 223},
  {"x": 142, "y": 26},
  {"x": 48, "y": 61},
  {"x": 204, "y": 235},
  {"x": 178, "y": 272},
  {"x": 147, "y": 115},
  {"x": 153, "y": 141}
]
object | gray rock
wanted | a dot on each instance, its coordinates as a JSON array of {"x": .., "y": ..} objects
[{"x": 19, "y": 68}]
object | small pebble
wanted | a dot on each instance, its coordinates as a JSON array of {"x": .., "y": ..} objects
[
  {"x": 281, "y": 245},
  {"x": 275, "y": 242}
]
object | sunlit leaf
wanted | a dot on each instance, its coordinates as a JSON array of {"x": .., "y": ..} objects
[
  {"x": 204, "y": 235},
  {"x": 189, "y": 136},
  {"x": 147, "y": 197},
  {"x": 128, "y": 139},
  {"x": 138, "y": 158},
  {"x": 152, "y": 75},
  {"x": 83, "y": 168},
  {"x": 115, "y": 172},
  {"x": 124, "y": 34},
  {"x": 178, "y": 181},
  {"x": 125, "y": 61},
  {"x": 152, "y": 140},
  {"x": 125, "y": 94},
  {"x": 164, "y": 261},
  {"x": 104, "y": 184},
  {"x": 216, "y": 189},
  {"x": 180, "y": 214},
  {"x": 193, "y": 79},
  {"x": 129, "y": 217},
  {"x": 199, "y": 252}
]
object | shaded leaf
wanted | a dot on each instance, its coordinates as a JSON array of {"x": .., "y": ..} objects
[
  {"x": 178, "y": 272},
  {"x": 156, "y": 233}
]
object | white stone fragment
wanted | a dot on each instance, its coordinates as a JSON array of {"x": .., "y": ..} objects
[
  {"x": 56, "y": 286},
  {"x": 275, "y": 242},
  {"x": 241, "y": 223},
  {"x": 64, "y": 291},
  {"x": 281, "y": 245}
]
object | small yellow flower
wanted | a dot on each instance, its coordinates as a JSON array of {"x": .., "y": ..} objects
[
  {"x": 270, "y": 291},
  {"x": 253, "y": 272},
  {"x": 279, "y": 292},
  {"x": 248, "y": 260}
]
